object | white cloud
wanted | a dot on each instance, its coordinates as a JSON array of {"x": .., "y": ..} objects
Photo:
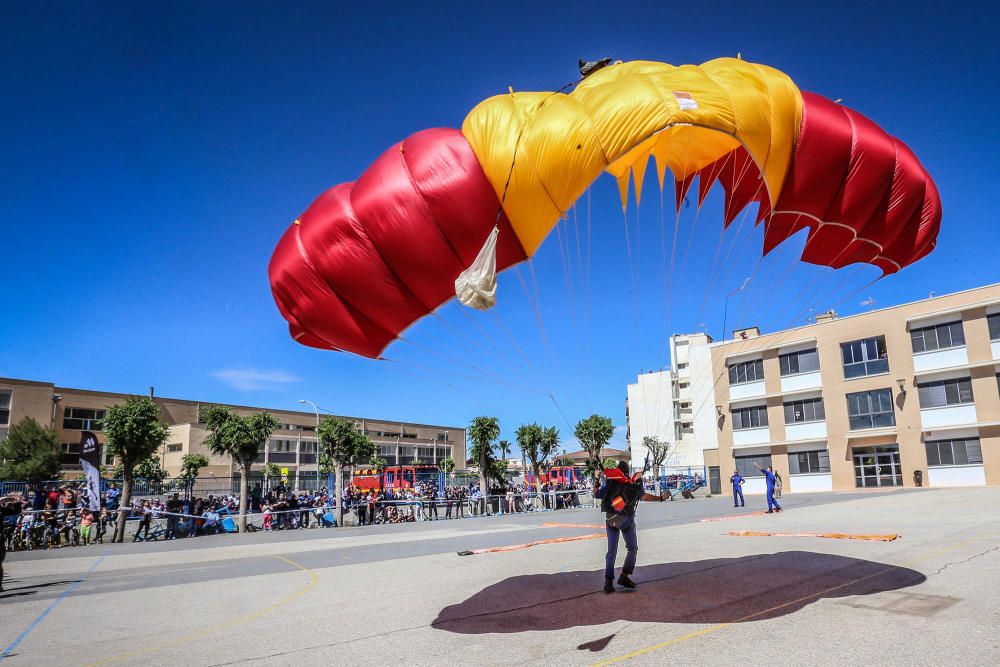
[{"x": 250, "y": 379}]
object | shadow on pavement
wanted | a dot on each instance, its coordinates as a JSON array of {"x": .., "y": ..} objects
[{"x": 722, "y": 590}]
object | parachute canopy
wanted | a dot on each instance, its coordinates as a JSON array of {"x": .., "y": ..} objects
[{"x": 369, "y": 258}]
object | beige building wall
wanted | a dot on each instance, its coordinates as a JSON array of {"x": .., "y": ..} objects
[
  {"x": 978, "y": 359},
  {"x": 57, "y": 407}
]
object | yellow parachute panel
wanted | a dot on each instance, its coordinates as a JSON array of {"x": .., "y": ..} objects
[{"x": 685, "y": 117}]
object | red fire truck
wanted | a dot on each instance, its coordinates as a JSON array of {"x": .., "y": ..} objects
[
  {"x": 392, "y": 477},
  {"x": 558, "y": 475}
]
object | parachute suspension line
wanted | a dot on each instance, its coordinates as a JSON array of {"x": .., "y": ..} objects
[
  {"x": 463, "y": 392},
  {"x": 717, "y": 269},
  {"x": 453, "y": 361},
  {"x": 497, "y": 349},
  {"x": 453, "y": 373},
  {"x": 585, "y": 307},
  {"x": 569, "y": 425}
]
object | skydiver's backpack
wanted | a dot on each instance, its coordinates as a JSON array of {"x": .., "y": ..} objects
[{"x": 621, "y": 498}]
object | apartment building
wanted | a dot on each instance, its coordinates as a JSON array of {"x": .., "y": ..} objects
[
  {"x": 293, "y": 446},
  {"x": 662, "y": 404},
  {"x": 902, "y": 396}
]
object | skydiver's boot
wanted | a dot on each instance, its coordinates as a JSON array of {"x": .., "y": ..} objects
[
  {"x": 609, "y": 585},
  {"x": 625, "y": 581}
]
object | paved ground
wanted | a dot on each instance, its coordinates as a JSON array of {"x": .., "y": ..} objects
[{"x": 397, "y": 594}]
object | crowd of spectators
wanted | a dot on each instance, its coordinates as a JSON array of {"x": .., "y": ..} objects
[{"x": 59, "y": 516}]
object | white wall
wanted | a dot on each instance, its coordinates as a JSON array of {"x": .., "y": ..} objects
[
  {"x": 807, "y": 431},
  {"x": 650, "y": 412},
  {"x": 968, "y": 475},
  {"x": 938, "y": 359},
  {"x": 801, "y": 381},
  {"x": 739, "y": 392},
  {"x": 810, "y": 482},
  {"x": 751, "y": 436},
  {"x": 690, "y": 451},
  {"x": 953, "y": 415}
]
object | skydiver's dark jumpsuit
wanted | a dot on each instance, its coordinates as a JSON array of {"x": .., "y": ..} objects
[{"x": 631, "y": 493}]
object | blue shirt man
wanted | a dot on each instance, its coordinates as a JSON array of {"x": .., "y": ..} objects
[
  {"x": 770, "y": 478},
  {"x": 737, "y": 481}
]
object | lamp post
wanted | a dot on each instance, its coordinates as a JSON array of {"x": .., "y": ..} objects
[
  {"x": 316, "y": 436},
  {"x": 725, "y": 312}
]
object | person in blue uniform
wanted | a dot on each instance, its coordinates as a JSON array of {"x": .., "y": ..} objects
[
  {"x": 771, "y": 478},
  {"x": 737, "y": 481},
  {"x": 620, "y": 494}
]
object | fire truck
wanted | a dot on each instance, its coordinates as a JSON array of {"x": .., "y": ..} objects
[
  {"x": 558, "y": 475},
  {"x": 392, "y": 477}
]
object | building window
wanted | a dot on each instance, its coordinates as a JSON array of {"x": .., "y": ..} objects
[
  {"x": 871, "y": 409},
  {"x": 865, "y": 357},
  {"x": 959, "y": 452},
  {"x": 443, "y": 453},
  {"x": 806, "y": 410},
  {"x": 937, "y": 337},
  {"x": 174, "y": 448},
  {"x": 745, "y": 464},
  {"x": 83, "y": 419},
  {"x": 746, "y": 371},
  {"x": 5, "y": 407},
  {"x": 752, "y": 417},
  {"x": 308, "y": 447},
  {"x": 941, "y": 393},
  {"x": 442, "y": 437},
  {"x": 425, "y": 453},
  {"x": 794, "y": 363},
  {"x": 994, "y": 324},
  {"x": 387, "y": 450},
  {"x": 801, "y": 463},
  {"x": 281, "y": 446}
]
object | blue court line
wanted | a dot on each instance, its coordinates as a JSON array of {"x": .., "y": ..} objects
[{"x": 7, "y": 651}]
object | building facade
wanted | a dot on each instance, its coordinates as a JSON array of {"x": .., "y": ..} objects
[
  {"x": 662, "y": 404},
  {"x": 292, "y": 447},
  {"x": 903, "y": 396}
]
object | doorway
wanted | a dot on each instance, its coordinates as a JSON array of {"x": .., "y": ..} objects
[{"x": 877, "y": 466}]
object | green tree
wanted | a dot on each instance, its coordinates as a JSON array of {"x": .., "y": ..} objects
[
  {"x": 191, "y": 465},
  {"x": 504, "y": 446},
  {"x": 447, "y": 465},
  {"x": 483, "y": 432},
  {"x": 239, "y": 438},
  {"x": 326, "y": 465},
  {"x": 538, "y": 444},
  {"x": 658, "y": 452},
  {"x": 341, "y": 440},
  {"x": 594, "y": 434},
  {"x": 418, "y": 462},
  {"x": 133, "y": 432},
  {"x": 379, "y": 464},
  {"x": 30, "y": 453}
]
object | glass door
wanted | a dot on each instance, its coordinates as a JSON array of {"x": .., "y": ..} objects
[{"x": 877, "y": 466}]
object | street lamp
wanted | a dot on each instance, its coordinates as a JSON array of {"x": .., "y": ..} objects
[
  {"x": 316, "y": 410},
  {"x": 725, "y": 312}
]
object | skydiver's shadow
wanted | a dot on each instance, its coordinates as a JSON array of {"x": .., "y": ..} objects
[{"x": 721, "y": 590}]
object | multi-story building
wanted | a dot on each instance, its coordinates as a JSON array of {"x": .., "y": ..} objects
[
  {"x": 902, "y": 396},
  {"x": 292, "y": 447},
  {"x": 661, "y": 404}
]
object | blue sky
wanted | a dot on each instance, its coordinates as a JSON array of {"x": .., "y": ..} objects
[{"x": 153, "y": 155}]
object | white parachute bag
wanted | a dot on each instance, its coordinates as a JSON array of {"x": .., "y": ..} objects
[{"x": 476, "y": 287}]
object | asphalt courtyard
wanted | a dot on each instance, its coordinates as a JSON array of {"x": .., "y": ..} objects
[{"x": 402, "y": 594}]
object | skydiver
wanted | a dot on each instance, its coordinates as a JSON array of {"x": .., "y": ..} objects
[
  {"x": 620, "y": 494},
  {"x": 771, "y": 478},
  {"x": 737, "y": 481}
]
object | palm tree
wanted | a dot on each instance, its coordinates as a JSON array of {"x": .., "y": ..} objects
[
  {"x": 483, "y": 432},
  {"x": 594, "y": 433}
]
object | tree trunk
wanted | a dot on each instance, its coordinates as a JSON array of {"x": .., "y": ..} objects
[
  {"x": 244, "y": 486},
  {"x": 338, "y": 489},
  {"x": 537, "y": 471},
  {"x": 483, "y": 488},
  {"x": 124, "y": 501}
]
